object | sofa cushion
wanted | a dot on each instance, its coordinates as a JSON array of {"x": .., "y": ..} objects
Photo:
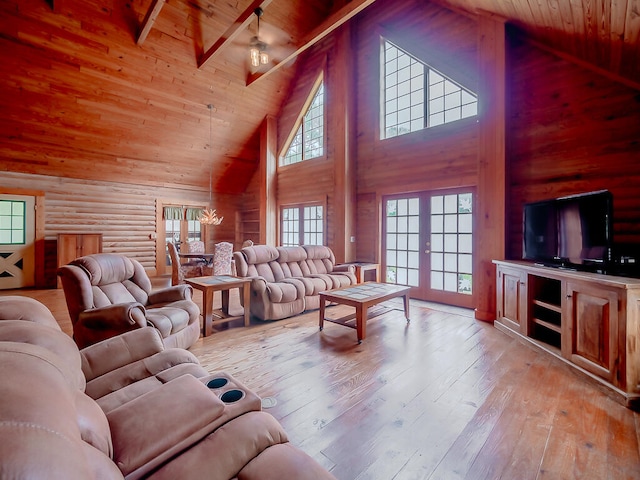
[
  {"x": 53, "y": 340},
  {"x": 168, "y": 319},
  {"x": 115, "y": 279},
  {"x": 41, "y": 430},
  {"x": 320, "y": 259},
  {"x": 16, "y": 307},
  {"x": 93, "y": 424},
  {"x": 283, "y": 292},
  {"x": 257, "y": 260}
]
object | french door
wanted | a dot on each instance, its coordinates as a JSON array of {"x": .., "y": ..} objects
[{"x": 428, "y": 245}]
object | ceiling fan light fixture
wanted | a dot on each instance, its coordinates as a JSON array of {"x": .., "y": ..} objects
[
  {"x": 258, "y": 52},
  {"x": 257, "y": 48}
]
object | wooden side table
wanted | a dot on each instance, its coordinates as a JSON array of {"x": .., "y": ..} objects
[
  {"x": 220, "y": 283},
  {"x": 363, "y": 267}
]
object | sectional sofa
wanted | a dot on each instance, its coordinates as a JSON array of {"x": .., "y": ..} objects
[
  {"x": 127, "y": 407},
  {"x": 286, "y": 281}
]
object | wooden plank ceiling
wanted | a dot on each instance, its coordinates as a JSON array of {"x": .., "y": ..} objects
[{"x": 119, "y": 90}]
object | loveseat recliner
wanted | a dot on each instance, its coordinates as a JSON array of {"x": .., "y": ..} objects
[
  {"x": 108, "y": 294},
  {"x": 127, "y": 407},
  {"x": 286, "y": 281}
]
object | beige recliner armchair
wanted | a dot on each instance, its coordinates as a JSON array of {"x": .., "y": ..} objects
[{"x": 108, "y": 294}]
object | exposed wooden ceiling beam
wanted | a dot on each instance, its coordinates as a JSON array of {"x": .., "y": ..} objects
[
  {"x": 233, "y": 31},
  {"x": 149, "y": 20},
  {"x": 336, "y": 19}
]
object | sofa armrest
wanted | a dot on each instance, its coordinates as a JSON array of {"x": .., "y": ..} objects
[
  {"x": 344, "y": 267},
  {"x": 98, "y": 324},
  {"x": 259, "y": 284},
  {"x": 157, "y": 426},
  {"x": 116, "y": 352},
  {"x": 171, "y": 294},
  {"x": 114, "y": 317}
]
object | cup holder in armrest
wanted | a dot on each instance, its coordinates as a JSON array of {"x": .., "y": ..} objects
[
  {"x": 217, "y": 382},
  {"x": 232, "y": 396}
]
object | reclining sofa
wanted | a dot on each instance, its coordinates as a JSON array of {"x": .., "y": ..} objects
[
  {"x": 286, "y": 281},
  {"x": 127, "y": 407}
]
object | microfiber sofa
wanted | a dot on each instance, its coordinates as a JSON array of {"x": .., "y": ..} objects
[
  {"x": 286, "y": 281},
  {"x": 127, "y": 407},
  {"x": 108, "y": 294}
]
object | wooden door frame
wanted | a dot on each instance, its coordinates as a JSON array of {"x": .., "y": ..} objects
[
  {"x": 441, "y": 297},
  {"x": 161, "y": 244},
  {"x": 39, "y": 260}
]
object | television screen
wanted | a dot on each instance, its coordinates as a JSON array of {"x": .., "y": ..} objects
[
  {"x": 584, "y": 228},
  {"x": 540, "y": 232},
  {"x": 574, "y": 231}
]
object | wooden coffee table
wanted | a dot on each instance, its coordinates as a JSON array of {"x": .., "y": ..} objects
[
  {"x": 220, "y": 283},
  {"x": 362, "y": 297}
]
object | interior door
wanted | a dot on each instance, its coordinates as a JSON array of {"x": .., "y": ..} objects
[
  {"x": 428, "y": 245},
  {"x": 17, "y": 241}
]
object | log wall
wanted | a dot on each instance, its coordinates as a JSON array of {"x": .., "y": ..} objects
[
  {"x": 125, "y": 214},
  {"x": 570, "y": 130}
]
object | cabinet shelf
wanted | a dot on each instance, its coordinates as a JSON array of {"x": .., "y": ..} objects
[
  {"x": 547, "y": 305},
  {"x": 551, "y": 326}
]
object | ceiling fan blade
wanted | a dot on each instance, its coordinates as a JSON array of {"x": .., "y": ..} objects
[{"x": 273, "y": 35}]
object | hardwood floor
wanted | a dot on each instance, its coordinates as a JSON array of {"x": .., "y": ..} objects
[{"x": 443, "y": 397}]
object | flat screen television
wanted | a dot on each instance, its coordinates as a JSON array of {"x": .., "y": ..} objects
[{"x": 573, "y": 231}]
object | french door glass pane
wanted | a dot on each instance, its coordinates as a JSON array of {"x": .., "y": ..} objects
[
  {"x": 451, "y": 242},
  {"x": 403, "y": 243}
]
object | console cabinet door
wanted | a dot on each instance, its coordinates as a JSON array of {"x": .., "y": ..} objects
[
  {"x": 593, "y": 323},
  {"x": 74, "y": 245},
  {"x": 512, "y": 299}
]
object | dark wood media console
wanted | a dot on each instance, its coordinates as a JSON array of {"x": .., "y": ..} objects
[{"x": 589, "y": 320}]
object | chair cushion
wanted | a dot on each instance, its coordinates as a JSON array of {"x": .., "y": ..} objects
[{"x": 168, "y": 319}]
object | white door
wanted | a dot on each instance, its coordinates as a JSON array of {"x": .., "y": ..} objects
[{"x": 17, "y": 241}]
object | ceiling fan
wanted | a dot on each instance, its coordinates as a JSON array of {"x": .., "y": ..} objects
[
  {"x": 269, "y": 45},
  {"x": 257, "y": 48}
]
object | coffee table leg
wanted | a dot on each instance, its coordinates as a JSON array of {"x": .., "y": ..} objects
[
  {"x": 406, "y": 307},
  {"x": 361, "y": 322},
  {"x": 322, "y": 305},
  {"x": 207, "y": 305}
]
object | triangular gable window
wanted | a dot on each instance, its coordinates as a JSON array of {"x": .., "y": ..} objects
[
  {"x": 308, "y": 141},
  {"x": 416, "y": 96}
]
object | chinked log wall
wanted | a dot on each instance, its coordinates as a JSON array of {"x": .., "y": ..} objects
[{"x": 125, "y": 214}]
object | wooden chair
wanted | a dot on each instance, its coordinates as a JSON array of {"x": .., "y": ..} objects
[{"x": 180, "y": 271}]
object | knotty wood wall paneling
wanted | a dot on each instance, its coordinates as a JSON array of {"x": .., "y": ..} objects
[
  {"x": 78, "y": 89},
  {"x": 125, "y": 214},
  {"x": 445, "y": 156},
  {"x": 570, "y": 131},
  {"x": 311, "y": 180}
]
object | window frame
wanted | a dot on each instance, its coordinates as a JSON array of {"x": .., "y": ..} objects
[
  {"x": 301, "y": 206},
  {"x": 300, "y": 121},
  {"x": 427, "y": 69}
]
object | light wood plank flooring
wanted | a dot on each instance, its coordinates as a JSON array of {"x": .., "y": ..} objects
[{"x": 443, "y": 397}]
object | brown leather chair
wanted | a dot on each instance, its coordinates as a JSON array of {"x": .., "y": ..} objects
[{"x": 108, "y": 294}]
